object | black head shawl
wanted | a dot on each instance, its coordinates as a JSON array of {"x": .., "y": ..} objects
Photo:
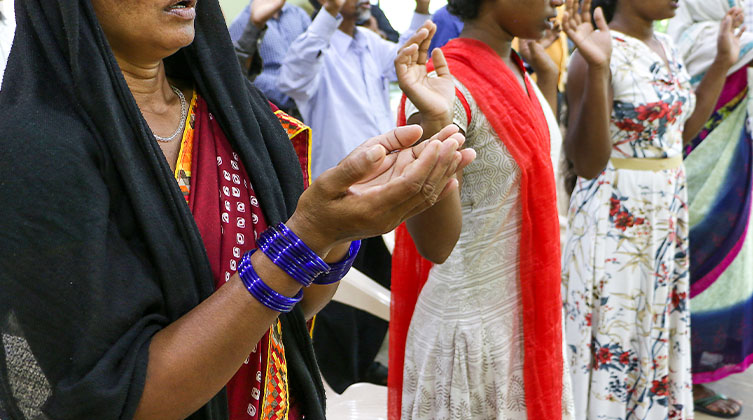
[{"x": 98, "y": 250}]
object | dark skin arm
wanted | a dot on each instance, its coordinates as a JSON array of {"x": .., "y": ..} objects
[{"x": 589, "y": 99}]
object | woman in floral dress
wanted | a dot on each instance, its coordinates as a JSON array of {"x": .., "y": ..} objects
[{"x": 625, "y": 262}]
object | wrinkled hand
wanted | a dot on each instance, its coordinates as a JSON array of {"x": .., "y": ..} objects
[
  {"x": 263, "y": 10},
  {"x": 595, "y": 47},
  {"x": 728, "y": 43},
  {"x": 379, "y": 185},
  {"x": 433, "y": 96}
]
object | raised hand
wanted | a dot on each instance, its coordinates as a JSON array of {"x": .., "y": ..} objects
[
  {"x": 594, "y": 46},
  {"x": 380, "y": 184},
  {"x": 534, "y": 53},
  {"x": 433, "y": 96},
  {"x": 332, "y": 6},
  {"x": 550, "y": 35},
  {"x": 263, "y": 10},
  {"x": 728, "y": 42}
]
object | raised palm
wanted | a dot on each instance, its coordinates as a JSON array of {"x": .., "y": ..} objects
[
  {"x": 332, "y": 5},
  {"x": 263, "y": 10},
  {"x": 730, "y": 30},
  {"x": 433, "y": 96},
  {"x": 595, "y": 46}
]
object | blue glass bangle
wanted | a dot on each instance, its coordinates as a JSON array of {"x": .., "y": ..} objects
[
  {"x": 338, "y": 270},
  {"x": 291, "y": 254},
  {"x": 261, "y": 291}
]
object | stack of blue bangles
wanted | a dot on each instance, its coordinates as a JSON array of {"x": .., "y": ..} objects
[{"x": 288, "y": 252}]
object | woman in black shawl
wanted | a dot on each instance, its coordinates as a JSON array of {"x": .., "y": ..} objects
[{"x": 108, "y": 307}]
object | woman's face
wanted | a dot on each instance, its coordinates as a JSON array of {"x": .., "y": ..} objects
[
  {"x": 146, "y": 30},
  {"x": 525, "y": 18},
  {"x": 651, "y": 9}
]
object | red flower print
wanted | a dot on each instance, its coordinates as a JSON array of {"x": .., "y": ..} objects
[
  {"x": 660, "y": 388},
  {"x": 624, "y": 220},
  {"x": 614, "y": 206},
  {"x": 588, "y": 319},
  {"x": 625, "y": 358},
  {"x": 678, "y": 298},
  {"x": 639, "y": 221},
  {"x": 629, "y": 125},
  {"x": 604, "y": 355},
  {"x": 653, "y": 111}
]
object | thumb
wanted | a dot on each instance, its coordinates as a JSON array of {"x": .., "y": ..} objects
[{"x": 355, "y": 167}]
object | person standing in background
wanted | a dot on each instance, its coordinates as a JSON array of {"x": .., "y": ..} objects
[
  {"x": 336, "y": 69},
  {"x": 449, "y": 27},
  {"x": 484, "y": 340},
  {"x": 305, "y": 5},
  {"x": 384, "y": 24},
  {"x": 7, "y": 32},
  {"x": 719, "y": 164},
  {"x": 339, "y": 75},
  {"x": 274, "y": 25},
  {"x": 625, "y": 279}
]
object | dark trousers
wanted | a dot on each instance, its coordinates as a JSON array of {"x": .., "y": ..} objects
[{"x": 346, "y": 340}]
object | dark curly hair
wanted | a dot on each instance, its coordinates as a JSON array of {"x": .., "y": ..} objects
[
  {"x": 464, "y": 9},
  {"x": 608, "y": 6}
]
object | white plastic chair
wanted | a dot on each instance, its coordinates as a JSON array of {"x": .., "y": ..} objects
[{"x": 361, "y": 401}]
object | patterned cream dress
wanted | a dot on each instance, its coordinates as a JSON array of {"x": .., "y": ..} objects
[
  {"x": 625, "y": 262},
  {"x": 464, "y": 350}
]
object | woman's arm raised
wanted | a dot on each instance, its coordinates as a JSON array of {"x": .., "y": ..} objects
[
  {"x": 434, "y": 97},
  {"x": 589, "y": 94},
  {"x": 708, "y": 91}
]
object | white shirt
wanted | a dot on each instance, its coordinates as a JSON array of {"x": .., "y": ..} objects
[
  {"x": 341, "y": 85},
  {"x": 7, "y": 31}
]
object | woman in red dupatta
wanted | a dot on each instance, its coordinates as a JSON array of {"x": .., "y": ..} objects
[{"x": 485, "y": 338}]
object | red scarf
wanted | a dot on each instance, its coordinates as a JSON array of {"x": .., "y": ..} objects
[
  {"x": 230, "y": 219},
  {"x": 519, "y": 122}
]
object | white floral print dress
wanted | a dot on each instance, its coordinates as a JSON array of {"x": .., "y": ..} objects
[{"x": 625, "y": 261}]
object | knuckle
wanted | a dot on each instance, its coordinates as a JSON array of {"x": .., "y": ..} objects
[
  {"x": 350, "y": 169},
  {"x": 415, "y": 187},
  {"x": 429, "y": 192}
]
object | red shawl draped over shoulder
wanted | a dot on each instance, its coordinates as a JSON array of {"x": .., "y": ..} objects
[{"x": 519, "y": 122}]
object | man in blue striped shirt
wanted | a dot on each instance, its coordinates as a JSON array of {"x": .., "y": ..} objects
[{"x": 276, "y": 33}]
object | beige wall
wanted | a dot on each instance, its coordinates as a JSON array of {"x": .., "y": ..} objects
[{"x": 231, "y": 8}]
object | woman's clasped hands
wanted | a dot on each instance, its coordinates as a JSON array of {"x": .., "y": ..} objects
[{"x": 379, "y": 185}]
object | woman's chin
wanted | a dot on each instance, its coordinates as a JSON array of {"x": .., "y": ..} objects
[{"x": 178, "y": 39}]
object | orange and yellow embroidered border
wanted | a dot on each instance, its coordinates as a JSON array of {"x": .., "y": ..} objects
[
  {"x": 300, "y": 135},
  {"x": 276, "y": 402},
  {"x": 183, "y": 167}
]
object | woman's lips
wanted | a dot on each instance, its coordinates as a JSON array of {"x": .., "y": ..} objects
[{"x": 185, "y": 9}]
